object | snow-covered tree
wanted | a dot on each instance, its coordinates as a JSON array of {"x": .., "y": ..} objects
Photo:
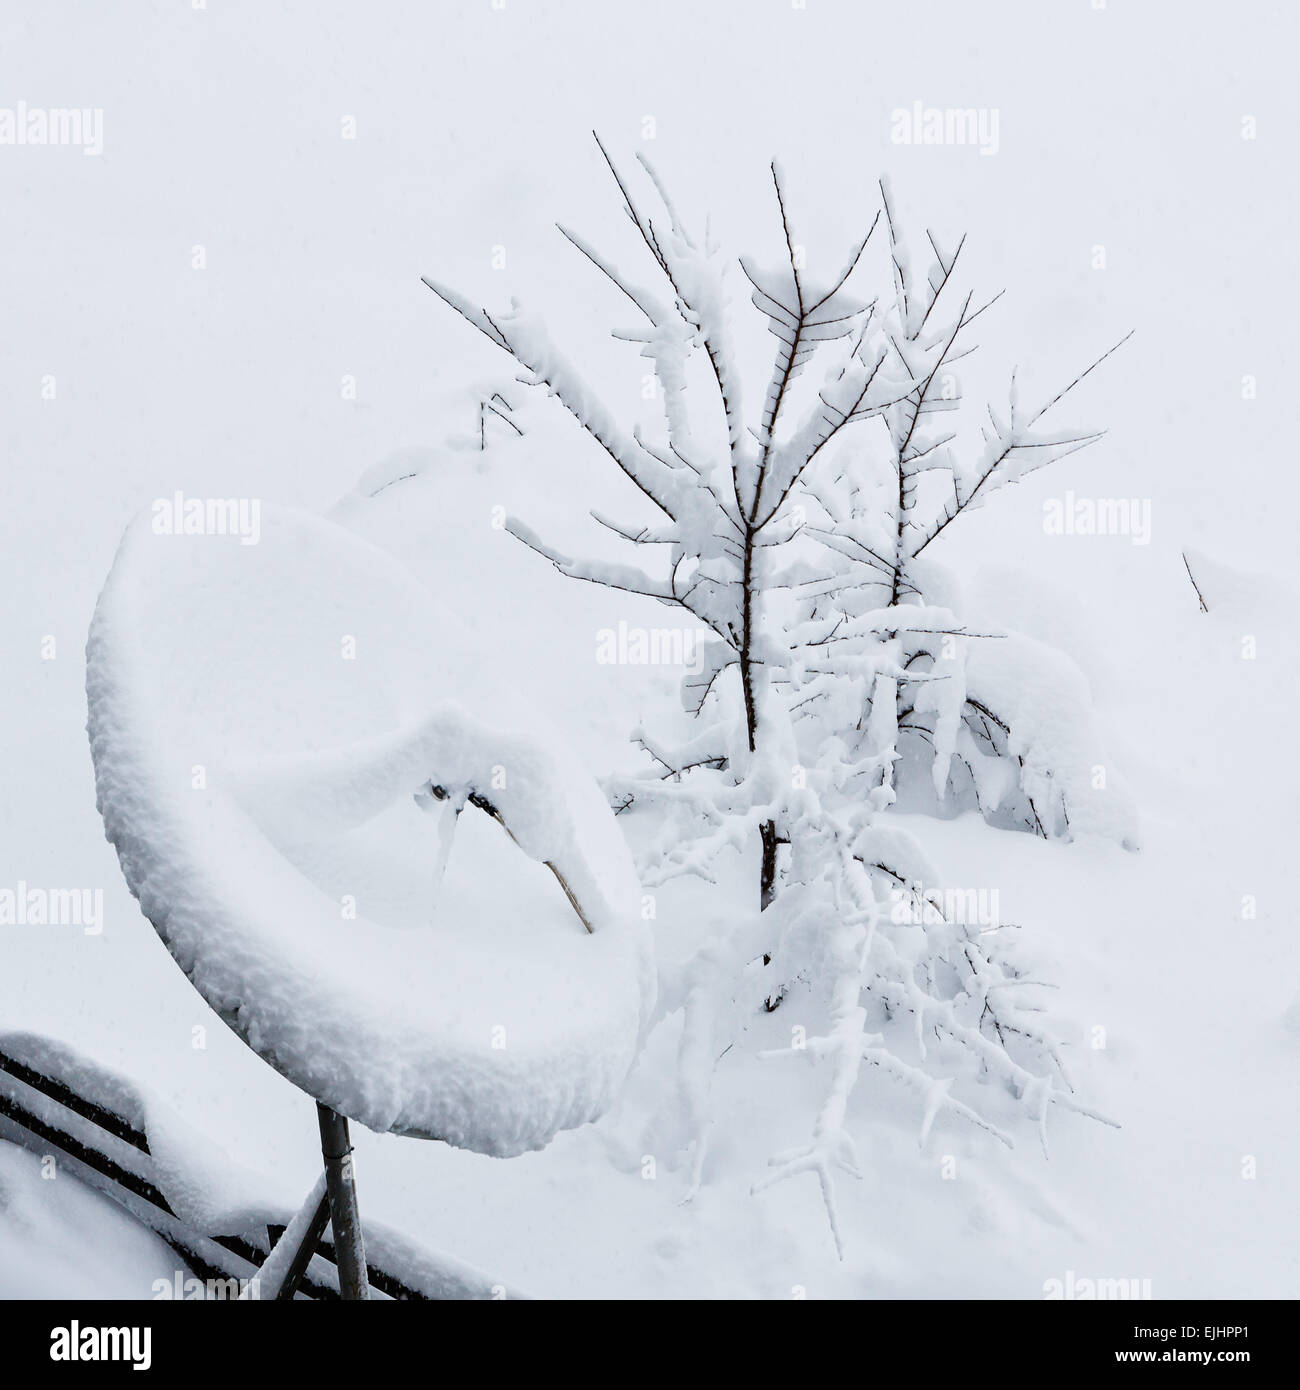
[
  {"x": 799, "y": 538},
  {"x": 972, "y": 697}
]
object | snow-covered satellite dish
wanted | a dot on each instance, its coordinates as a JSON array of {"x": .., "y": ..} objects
[{"x": 287, "y": 730}]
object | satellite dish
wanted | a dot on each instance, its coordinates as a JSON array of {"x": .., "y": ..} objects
[{"x": 395, "y": 886}]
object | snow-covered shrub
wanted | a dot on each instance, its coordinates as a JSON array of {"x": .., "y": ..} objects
[{"x": 799, "y": 539}]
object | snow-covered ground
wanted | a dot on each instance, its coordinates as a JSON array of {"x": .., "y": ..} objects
[
  {"x": 305, "y": 351},
  {"x": 61, "y": 1240}
]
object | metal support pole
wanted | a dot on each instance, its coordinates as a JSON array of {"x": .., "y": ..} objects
[
  {"x": 349, "y": 1250},
  {"x": 306, "y": 1249}
]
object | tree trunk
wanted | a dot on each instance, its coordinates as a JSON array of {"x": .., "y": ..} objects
[
  {"x": 767, "y": 868},
  {"x": 767, "y": 873}
]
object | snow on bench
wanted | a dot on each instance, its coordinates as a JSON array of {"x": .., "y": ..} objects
[{"x": 118, "y": 1140}]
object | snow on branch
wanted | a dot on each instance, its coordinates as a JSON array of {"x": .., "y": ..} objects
[
  {"x": 836, "y": 651},
  {"x": 1011, "y": 451}
]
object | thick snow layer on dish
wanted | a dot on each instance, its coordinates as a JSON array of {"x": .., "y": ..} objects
[{"x": 261, "y": 719}]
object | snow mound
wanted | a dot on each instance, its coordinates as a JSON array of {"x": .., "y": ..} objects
[
  {"x": 64, "y": 1240},
  {"x": 271, "y": 727},
  {"x": 1041, "y": 698},
  {"x": 399, "y": 466},
  {"x": 1222, "y": 587}
]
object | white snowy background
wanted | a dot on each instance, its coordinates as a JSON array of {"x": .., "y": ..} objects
[{"x": 1119, "y": 127}]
